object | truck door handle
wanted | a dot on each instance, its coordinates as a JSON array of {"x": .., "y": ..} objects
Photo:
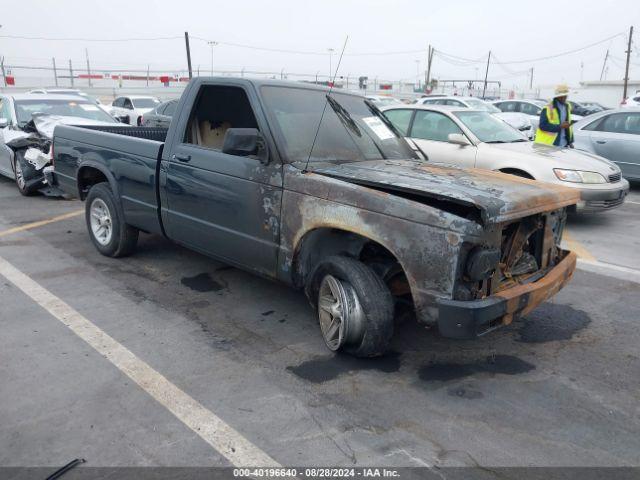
[
  {"x": 182, "y": 158},
  {"x": 601, "y": 142}
]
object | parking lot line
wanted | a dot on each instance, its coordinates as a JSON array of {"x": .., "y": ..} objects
[
  {"x": 40, "y": 223},
  {"x": 631, "y": 201},
  {"x": 211, "y": 428},
  {"x": 575, "y": 246}
]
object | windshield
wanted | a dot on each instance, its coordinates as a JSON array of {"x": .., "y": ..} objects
[
  {"x": 488, "y": 128},
  {"x": 352, "y": 129},
  {"x": 480, "y": 105},
  {"x": 66, "y": 108},
  {"x": 145, "y": 102}
]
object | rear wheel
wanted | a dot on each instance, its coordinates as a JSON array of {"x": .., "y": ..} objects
[
  {"x": 108, "y": 231},
  {"x": 355, "y": 308}
]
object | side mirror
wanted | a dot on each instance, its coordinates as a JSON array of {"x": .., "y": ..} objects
[
  {"x": 458, "y": 139},
  {"x": 4, "y": 122},
  {"x": 245, "y": 142}
]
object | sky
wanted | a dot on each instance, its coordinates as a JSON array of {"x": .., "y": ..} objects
[{"x": 513, "y": 31}]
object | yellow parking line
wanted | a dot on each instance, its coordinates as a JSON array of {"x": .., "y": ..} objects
[
  {"x": 40, "y": 223},
  {"x": 575, "y": 246}
]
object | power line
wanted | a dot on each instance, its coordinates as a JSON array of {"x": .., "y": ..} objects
[{"x": 69, "y": 39}]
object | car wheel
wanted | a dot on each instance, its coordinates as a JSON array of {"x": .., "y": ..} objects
[
  {"x": 108, "y": 231},
  {"x": 22, "y": 172},
  {"x": 354, "y": 307}
]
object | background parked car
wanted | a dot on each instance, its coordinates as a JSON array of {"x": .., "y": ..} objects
[
  {"x": 476, "y": 139},
  {"x": 161, "y": 115},
  {"x": 613, "y": 134},
  {"x": 16, "y": 115},
  {"x": 580, "y": 108},
  {"x": 131, "y": 108},
  {"x": 519, "y": 121},
  {"x": 65, "y": 91},
  {"x": 528, "y": 107},
  {"x": 383, "y": 100},
  {"x": 632, "y": 101}
]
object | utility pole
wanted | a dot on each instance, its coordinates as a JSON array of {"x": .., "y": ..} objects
[
  {"x": 86, "y": 52},
  {"x": 486, "y": 74},
  {"x": 186, "y": 41},
  {"x": 604, "y": 64},
  {"x": 418, "y": 72},
  {"x": 429, "y": 61},
  {"x": 330, "y": 50},
  {"x": 55, "y": 70},
  {"x": 4, "y": 75},
  {"x": 626, "y": 71},
  {"x": 531, "y": 80},
  {"x": 71, "y": 72},
  {"x": 147, "y": 75}
]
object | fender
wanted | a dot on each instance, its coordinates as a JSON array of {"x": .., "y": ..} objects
[{"x": 113, "y": 184}]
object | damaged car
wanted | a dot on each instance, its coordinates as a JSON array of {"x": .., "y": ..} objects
[
  {"x": 26, "y": 131},
  {"x": 316, "y": 189}
]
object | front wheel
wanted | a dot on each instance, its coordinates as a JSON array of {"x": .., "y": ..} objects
[
  {"x": 108, "y": 231},
  {"x": 23, "y": 172},
  {"x": 354, "y": 306}
]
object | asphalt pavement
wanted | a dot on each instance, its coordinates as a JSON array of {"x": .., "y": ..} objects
[{"x": 168, "y": 358}]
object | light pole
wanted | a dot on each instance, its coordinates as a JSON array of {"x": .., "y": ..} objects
[
  {"x": 330, "y": 50},
  {"x": 212, "y": 44}
]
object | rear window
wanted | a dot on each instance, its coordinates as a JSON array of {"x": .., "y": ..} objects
[{"x": 145, "y": 102}]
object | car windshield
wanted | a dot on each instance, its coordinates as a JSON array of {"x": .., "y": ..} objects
[
  {"x": 481, "y": 105},
  {"x": 351, "y": 130},
  {"x": 488, "y": 128},
  {"x": 145, "y": 102},
  {"x": 66, "y": 108}
]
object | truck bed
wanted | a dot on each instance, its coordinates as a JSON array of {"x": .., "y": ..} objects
[{"x": 128, "y": 157}]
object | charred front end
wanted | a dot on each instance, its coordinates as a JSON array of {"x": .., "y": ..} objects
[{"x": 519, "y": 266}]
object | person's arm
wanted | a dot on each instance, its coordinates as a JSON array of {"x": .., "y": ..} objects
[{"x": 545, "y": 125}]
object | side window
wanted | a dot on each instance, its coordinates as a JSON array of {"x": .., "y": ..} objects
[
  {"x": 127, "y": 104},
  {"x": 217, "y": 109},
  {"x": 433, "y": 126},
  {"x": 621, "y": 123},
  {"x": 117, "y": 102},
  {"x": 455, "y": 103},
  {"x": 400, "y": 118},
  {"x": 530, "y": 109},
  {"x": 509, "y": 107},
  {"x": 170, "y": 109}
]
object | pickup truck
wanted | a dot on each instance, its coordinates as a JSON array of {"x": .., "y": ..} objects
[{"x": 316, "y": 189}]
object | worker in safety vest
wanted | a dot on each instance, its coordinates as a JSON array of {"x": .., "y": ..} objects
[{"x": 555, "y": 121}]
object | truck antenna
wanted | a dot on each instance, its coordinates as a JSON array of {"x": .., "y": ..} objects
[{"x": 333, "y": 82}]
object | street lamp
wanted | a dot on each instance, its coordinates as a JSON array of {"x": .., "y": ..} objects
[
  {"x": 330, "y": 50},
  {"x": 212, "y": 44}
]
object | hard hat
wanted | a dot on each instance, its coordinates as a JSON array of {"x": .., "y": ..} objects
[{"x": 562, "y": 90}]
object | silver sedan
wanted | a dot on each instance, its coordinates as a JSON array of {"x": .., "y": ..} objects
[
  {"x": 472, "y": 138},
  {"x": 613, "y": 134}
]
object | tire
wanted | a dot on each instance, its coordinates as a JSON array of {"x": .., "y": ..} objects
[
  {"x": 341, "y": 287},
  {"x": 23, "y": 173},
  {"x": 110, "y": 235}
]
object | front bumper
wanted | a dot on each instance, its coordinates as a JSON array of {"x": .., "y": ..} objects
[
  {"x": 470, "y": 319},
  {"x": 597, "y": 200}
]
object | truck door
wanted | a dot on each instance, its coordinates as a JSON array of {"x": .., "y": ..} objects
[{"x": 226, "y": 206}]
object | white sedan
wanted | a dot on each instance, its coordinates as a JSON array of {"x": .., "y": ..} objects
[
  {"x": 475, "y": 139},
  {"x": 131, "y": 108}
]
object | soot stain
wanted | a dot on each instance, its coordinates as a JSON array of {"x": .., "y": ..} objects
[
  {"x": 323, "y": 369},
  {"x": 202, "y": 283},
  {"x": 466, "y": 393},
  {"x": 552, "y": 322},
  {"x": 502, "y": 364}
]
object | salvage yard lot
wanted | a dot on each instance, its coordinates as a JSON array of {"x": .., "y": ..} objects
[{"x": 559, "y": 387}]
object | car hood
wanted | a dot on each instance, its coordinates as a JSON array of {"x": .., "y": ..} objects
[
  {"x": 569, "y": 158},
  {"x": 495, "y": 197}
]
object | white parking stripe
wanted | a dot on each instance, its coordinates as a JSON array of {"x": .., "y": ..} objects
[
  {"x": 610, "y": 269},
  {"x": 213, "y": 430},
  {"x": 631, "y": 201}
]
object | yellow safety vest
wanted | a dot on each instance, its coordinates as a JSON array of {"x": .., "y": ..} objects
[{"x": 553, "y": 117}]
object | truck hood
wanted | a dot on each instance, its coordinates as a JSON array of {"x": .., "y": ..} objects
[
  {"x": 569, "y": 158},
  {"x": 483, "y": 195}
]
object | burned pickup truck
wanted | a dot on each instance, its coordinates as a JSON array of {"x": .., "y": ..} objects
[
  {"x": 254, "y": 174},
  {"x": 26, "y": 131}
]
